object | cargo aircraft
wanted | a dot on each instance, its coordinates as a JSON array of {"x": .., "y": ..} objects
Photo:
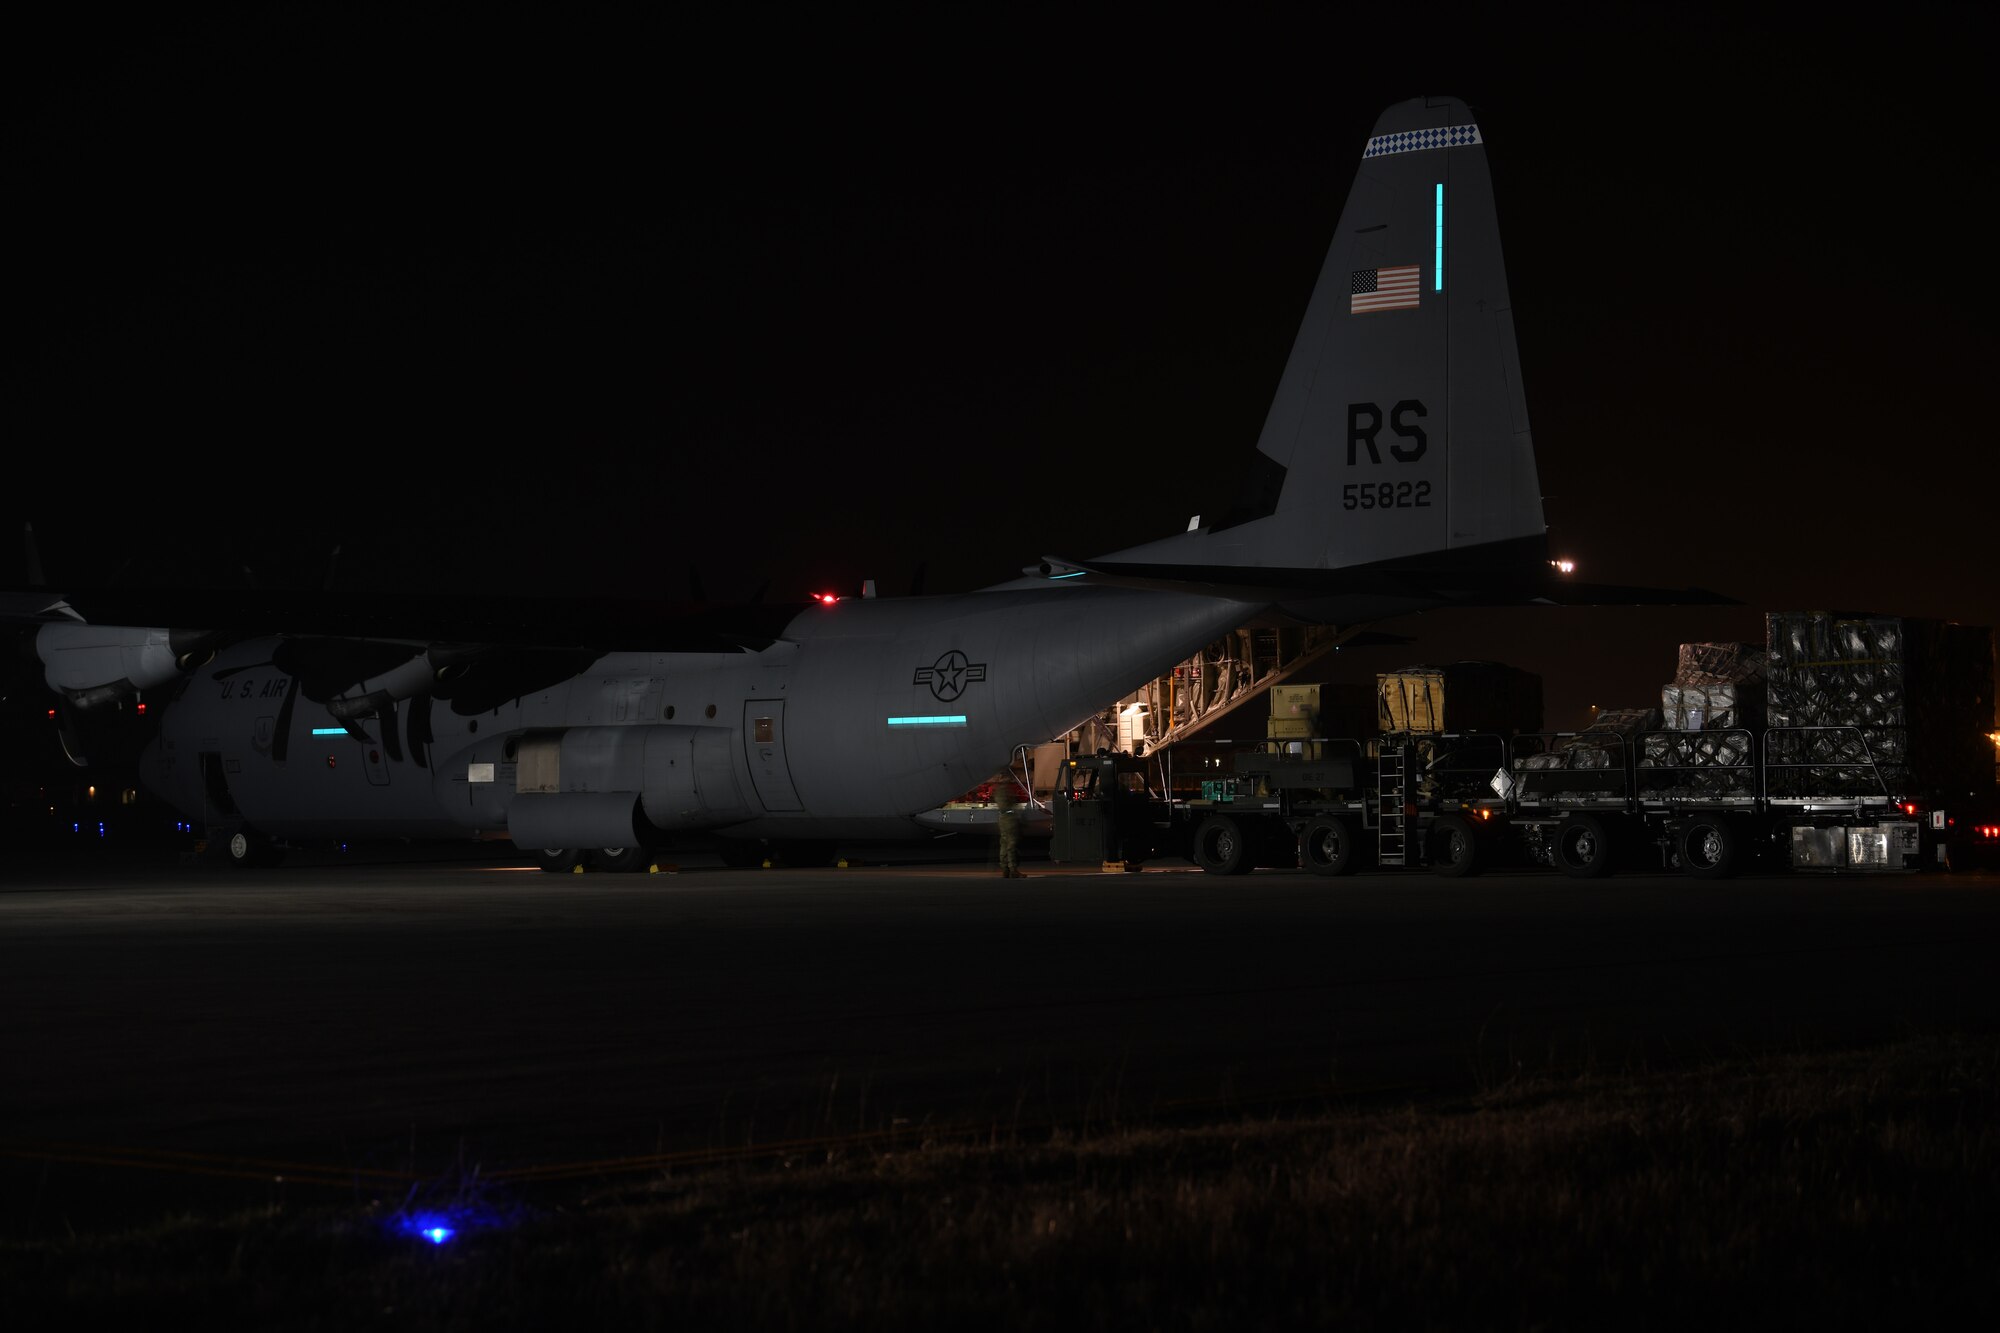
[{"x": 1395, "y": 472}]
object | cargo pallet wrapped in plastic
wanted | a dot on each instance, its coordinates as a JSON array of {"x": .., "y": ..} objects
[
  {"x": 1460, "y": 697},
  {"x": 1712, "y": 707},
  {"x": 1720, "y": 663},
  {"x": 1911, "y": 697}
]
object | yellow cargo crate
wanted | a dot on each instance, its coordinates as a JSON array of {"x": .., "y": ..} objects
[{"x": 1294, "y": 700}]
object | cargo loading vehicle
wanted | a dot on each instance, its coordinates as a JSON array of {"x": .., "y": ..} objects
[{"x": 1848, "y": 743}]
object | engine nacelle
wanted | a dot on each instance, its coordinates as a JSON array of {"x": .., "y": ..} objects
[
  {"x": 91, "y": 665},
  {"x": 419, "y": 675}
]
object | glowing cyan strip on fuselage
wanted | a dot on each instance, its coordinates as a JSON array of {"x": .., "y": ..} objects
[
  {"x": 1440, "y": 238},
  {"x": 934, "y": 720},
  {"x": 329, "y": 731}
]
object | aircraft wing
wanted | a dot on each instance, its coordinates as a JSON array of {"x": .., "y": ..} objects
[
  {"x": 355, "y": 652},
  {"x": 578, "y": 623},
  {"x": 1506, "y": 574}
]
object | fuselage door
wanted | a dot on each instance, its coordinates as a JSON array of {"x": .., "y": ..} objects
[
  {"x": 373, "y": 765},
  {"x": 764, "y": 742}
]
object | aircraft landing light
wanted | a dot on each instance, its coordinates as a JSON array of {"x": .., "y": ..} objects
[{"x": 934, "y": 720}]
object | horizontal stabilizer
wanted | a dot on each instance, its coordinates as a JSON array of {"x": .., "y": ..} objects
[
  {"x": 1500, "y": 574},
  {"x": 1564, "y": 592}
]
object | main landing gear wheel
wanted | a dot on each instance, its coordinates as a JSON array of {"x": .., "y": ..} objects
[
  {"x": 806, "y": 853},
  {"x": 1583, "y": 847},
  {"x": 1326, "y": 847},
  {"x": 739, "y": 852},
  {"x": 1708, "y": 849},
  {"x": 557, "y": 860},
  {"x": 1220, "y": 847},
  {"x": 622, "y": 860},
  {"x": 1454, "y": 846}
]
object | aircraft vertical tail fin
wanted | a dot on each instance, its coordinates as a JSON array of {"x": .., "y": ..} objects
[{"x": 1399, "y": 428}]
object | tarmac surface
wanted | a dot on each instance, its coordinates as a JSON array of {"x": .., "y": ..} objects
[{"x": 407, "y": 1015}]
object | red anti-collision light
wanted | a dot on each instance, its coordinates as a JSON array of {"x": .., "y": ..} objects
[{"x": 825, "y": 598}]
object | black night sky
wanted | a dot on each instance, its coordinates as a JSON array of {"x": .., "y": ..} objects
[{"x": 556, "y": 305}]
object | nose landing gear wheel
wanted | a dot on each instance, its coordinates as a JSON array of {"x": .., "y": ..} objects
[{"x": 247, "y": 851}]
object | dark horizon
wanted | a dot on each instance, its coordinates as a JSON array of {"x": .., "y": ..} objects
[{"x": 603, "y": 308}]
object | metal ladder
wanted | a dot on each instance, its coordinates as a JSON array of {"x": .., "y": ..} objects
[{"x": 1391, "y": 849}]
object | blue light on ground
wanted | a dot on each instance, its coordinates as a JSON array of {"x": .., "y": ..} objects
[
  {"x": 440, "y": 1226},
  {"x": 435, "y": 1227}
]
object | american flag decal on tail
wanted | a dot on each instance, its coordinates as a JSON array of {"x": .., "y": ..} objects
[{"x": 1384, "y": 289}]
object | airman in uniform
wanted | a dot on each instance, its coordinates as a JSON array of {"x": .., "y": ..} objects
[{"x": 1010, "y": 828}]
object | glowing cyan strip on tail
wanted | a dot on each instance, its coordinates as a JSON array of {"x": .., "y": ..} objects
[{"x": 1439, "y": 263}]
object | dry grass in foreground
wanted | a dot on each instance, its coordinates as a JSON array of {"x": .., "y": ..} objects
[{"x": 1847, "y": 1190}]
